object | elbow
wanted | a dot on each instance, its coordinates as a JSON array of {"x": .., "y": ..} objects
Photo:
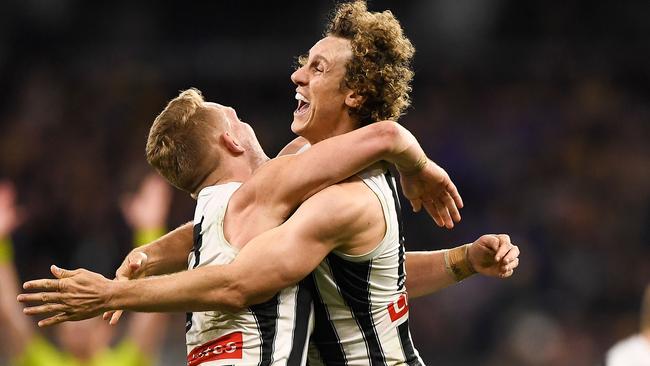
[{"x": 387, "y": 135}]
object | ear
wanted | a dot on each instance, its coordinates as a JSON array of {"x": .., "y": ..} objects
[
  {"x": 353, "y": 100},
  {"x": 232, "y": 144}
]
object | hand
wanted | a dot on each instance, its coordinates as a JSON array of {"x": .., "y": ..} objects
[
  {"x": 132, "y": 267},
  {"x": 432, "y": 188},
  {"x": 9, "y": 213},
  {"x": 149, "y": 206},
  {"x": 73, "y": 295},
  {"x": 494, "y": 256}
]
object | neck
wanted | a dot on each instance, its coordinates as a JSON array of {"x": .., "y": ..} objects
[
  {"x": 235, "y": 169},
  {"x": 646, "y": 334},
  {"x": 346, "y": 125}
]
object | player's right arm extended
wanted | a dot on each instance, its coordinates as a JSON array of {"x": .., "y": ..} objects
[{"x": 268, "y": 263}]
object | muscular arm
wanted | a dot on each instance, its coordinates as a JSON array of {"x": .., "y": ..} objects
[
  {"x": 268, "y": 263},
  {"x": 281, "y": 185},
  {"x": 289, "y": 180}
]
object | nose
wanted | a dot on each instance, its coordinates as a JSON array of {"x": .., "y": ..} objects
[{"x": 299, "y": 77}]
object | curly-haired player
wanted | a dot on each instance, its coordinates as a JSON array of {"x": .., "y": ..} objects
[{"x": 346, "y": 238}]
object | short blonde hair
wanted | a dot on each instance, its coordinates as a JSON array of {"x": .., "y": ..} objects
[{"x": 180, "y": 144}]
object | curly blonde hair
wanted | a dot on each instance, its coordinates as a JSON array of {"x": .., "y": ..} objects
[
  {"x": 380, "y": 68},
  {"x": 179, "y": 145}
]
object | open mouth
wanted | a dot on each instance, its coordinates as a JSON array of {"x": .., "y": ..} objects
[{"x": 303, "y": 104}]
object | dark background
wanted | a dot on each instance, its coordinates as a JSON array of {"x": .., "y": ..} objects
[{"x": 537, "y": 109}]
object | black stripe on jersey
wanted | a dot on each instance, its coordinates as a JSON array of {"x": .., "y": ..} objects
[
  {"x": 353, "y": 280},
  {"x": 403, "y": 329},
  {"x": 196, "y": 249},
  {"x": 324, "y": 336},
  {"x": 398, "y": 207},
  {"x": 407, "y": 345},
  {"x": 266, "y": 316},
  {"x": 301, "y": 324}
]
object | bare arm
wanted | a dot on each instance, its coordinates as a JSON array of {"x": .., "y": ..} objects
[
  {"x": 17, "y": 329},
  {"x": 272, "y": 261},
  {"x": 490, "y": 255},
  {"x": 14, "y": 325},
  {"x": 289, "y": 180},
  {"x": 168, "y": 254}
]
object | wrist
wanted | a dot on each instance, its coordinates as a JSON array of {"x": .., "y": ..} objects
[
  {"x": 413, "y": 168},
  {"x": 457, "y": 263}
]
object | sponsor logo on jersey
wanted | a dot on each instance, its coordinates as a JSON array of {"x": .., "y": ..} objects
[
  {"x": 399, "y": 308},
  {"x": 223, "y": 348}
]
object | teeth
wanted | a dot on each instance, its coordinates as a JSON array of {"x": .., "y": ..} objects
[{"x": 301, "y": 97}]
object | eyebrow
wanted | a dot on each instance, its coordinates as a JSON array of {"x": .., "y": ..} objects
[{"x": 320, "y": 58}]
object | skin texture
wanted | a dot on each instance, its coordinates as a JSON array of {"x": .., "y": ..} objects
[{"x": 78, "y": 294}]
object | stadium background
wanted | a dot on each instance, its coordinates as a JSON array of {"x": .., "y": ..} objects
[{"x": 539, "y": 110}]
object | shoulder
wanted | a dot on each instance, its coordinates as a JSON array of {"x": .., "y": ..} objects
[
  {"x": 344, "y": 209},
  {"x": 294, "y": 146}
]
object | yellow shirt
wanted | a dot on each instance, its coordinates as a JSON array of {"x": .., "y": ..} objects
[{"x": 40, "y": 352}]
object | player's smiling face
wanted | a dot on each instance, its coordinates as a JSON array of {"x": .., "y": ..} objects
[{"x": 322, "y": 98}]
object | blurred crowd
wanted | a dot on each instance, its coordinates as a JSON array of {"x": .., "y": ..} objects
[{"x": 539, "y": 111}]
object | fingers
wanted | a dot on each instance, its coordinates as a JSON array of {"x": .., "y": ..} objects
[
  {"x": 489, "y": 241},
  {"x": 45, "y": 309},
  {"x": 433, "y": 212},
  {"x": 56, "y": 319},
  {"x": 451, "y": 207},
  {"x": 43, "y": 297},
  {"x": 504, "y": 246},
  {"x": 453, "y": 192},
  {"x": 62, "y": 273},
  {"x": 444, "y": 213},
  {"x": 46, "y": 284},
  {"x": 116, "y": 317},
  {"x": 416, "y": 204},
  {"x": 511, "y": 255}
]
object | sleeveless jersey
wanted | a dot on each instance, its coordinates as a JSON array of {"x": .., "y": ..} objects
[
  {"x": 272, "y": 333},
  {"x": 360, "y": 302}
]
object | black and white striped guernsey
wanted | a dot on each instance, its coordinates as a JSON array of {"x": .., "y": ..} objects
[
  {"x": 360, "y": 302},
  {"x": 272, "y": 333}
]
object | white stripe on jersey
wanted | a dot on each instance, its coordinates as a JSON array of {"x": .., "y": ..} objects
[
  {"x": 263, "y": 334},
  {"x": 361, "y": 302}
]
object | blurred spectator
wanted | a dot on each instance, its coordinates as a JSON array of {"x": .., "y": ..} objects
[{"x": 87, "y": 342}]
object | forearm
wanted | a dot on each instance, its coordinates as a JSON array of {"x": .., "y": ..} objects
[
  {"x": 402, "y": 149},
  {"x": 201, "y": 289},
  {"x": 169, "y": 253},
  {"x": 428, "y": 272}
]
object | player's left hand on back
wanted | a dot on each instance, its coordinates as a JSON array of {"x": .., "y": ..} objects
[
  {"x": 494, "y": 255},
  {"x": 432, "y": 189},
  {"x": 72, "y": 295}
]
